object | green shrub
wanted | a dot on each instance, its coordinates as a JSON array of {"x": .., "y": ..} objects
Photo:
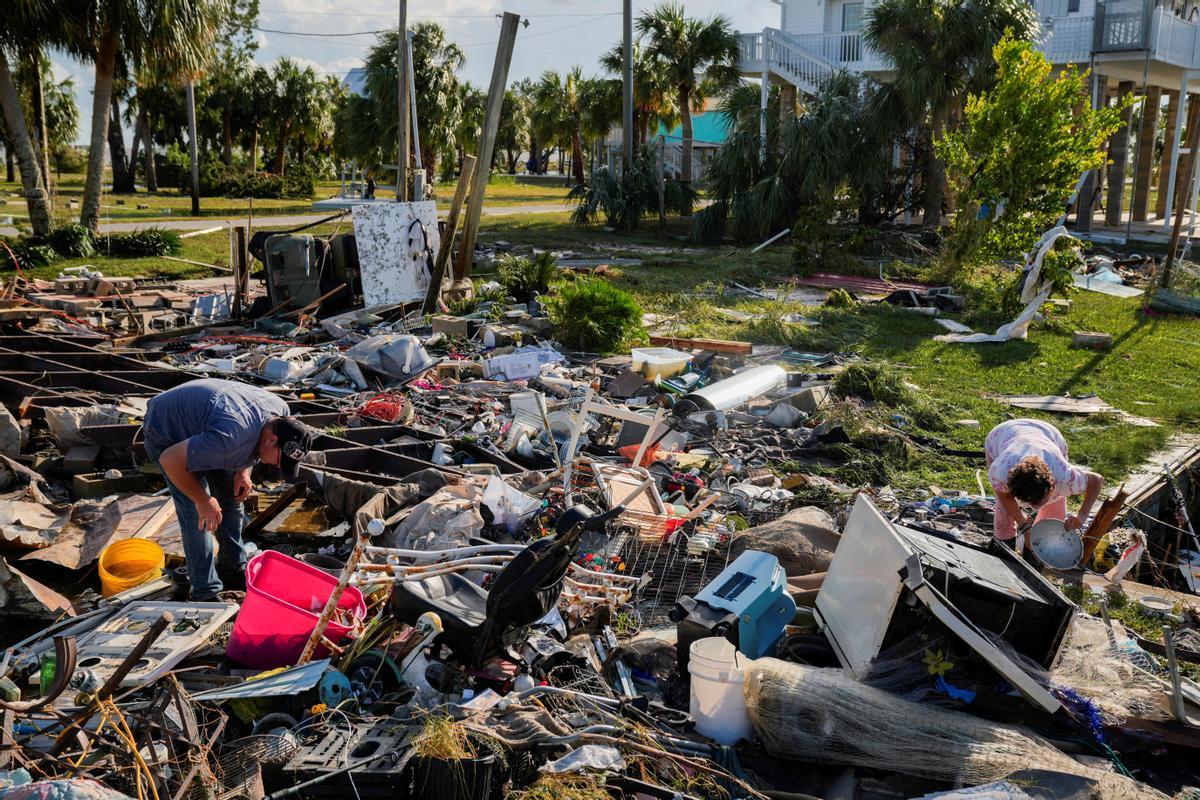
[
  {"x": 28, "y": 254},
  {"x": 173, "y": 168},
  {"x": 142, "y": 243},
  {"x": 72, "y": 241},
  {"x": 626, "y": 198},
  {"x": 883, "y": 384},
  {"x": 592, "y": 315},
  {"x": 523, "y": 277}
]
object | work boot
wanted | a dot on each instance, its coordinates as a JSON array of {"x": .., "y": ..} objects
[{"x": 232, "y": 578}]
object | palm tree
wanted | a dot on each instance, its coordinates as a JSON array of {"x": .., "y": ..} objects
[
  {"x": 559, "y": 103},
  {"x": 296, "y": 98},
  {"x": 367, "y": 125},
  {"x": 514, "y": 128},
  {"x": 27, "y": 22},
  {"x": 941, "y": 50},
  {"x": 167, "y": 39},
  {"x": 654, "y": 98},
  {"x": 696, "y": 56}
]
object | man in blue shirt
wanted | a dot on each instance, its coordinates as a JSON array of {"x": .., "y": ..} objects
[{"x": 207, "y": 435}]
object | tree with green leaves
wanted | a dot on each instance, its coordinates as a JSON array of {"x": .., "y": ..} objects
[
  {"x": 698, "y": 57},
  {"x": 367, "y": 125},
  {"x": 1022, "y": 147},
  {"x": 655, "y": 99},
  {"x": 296, "y": 97},
  {"x": 941, "y": 50},
  {"x": 558, "y": 113},
  {"x": 28, "y": 25},
  {"x": 514, "y": 128},
  {"x": 165, "y": 40}
]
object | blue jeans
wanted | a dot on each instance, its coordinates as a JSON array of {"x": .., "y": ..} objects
[{"x": 198, "y": 545}]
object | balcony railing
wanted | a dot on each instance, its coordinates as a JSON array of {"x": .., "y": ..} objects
[
  {"x": 847, "y": 50},
  {"x": 1067, "y": 40}
]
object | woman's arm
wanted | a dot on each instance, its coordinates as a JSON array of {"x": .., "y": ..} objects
[
  {"x": 1094, "y": 484},
  {"x": 1011, "y": 506}
]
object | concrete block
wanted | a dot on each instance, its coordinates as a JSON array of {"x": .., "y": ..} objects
[
  {"x": 95, "y": 484},
  {"x": 458, "y": 327},
  {"x": 1092, "y": 340},
  {"x": 811, "y": 398},
  {"x": 81, "y": 458}
]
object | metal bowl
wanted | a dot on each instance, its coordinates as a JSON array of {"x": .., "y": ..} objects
[{"x": 1054, "y": 545}]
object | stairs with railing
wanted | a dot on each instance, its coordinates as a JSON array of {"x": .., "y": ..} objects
[{"x": 776, "y": 52}]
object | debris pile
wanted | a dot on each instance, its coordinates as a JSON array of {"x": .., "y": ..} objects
[{"x": 509, "y": 569}]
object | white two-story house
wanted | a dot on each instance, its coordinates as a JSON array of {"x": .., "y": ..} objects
[{"x": 1148, "y": 48}]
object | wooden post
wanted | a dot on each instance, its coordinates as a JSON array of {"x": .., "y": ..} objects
[
  {"x": 447, "y": 246},
  {"x": 1181, "y": 205},
  {"x": 487, "y": 142},
  {"x": 662, "y": 181}
]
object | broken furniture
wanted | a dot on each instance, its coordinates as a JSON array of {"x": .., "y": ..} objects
[
  {"x": 476, "y": 621},
  {"x": 885, "y": 577}
]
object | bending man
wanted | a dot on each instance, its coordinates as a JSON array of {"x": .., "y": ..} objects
[
  {"x": 207, "y": 435},
  {"x": 1028, "y": 466}
]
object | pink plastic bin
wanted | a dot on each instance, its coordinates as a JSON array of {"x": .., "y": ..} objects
[{"x": 284, "y": 598}]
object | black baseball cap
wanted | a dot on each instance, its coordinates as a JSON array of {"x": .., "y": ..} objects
[{"x": 295, "y": 440}]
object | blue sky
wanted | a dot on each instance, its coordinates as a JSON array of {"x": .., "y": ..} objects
[{"x": 561, "y": 33}]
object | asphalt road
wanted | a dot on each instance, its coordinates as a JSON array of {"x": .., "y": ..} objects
[{"x": 286, "y": 221}]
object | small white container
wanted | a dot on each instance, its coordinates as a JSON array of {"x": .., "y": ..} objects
[
  {"x": 659, "y": 362},
  {"x": 717, "y": 704}
]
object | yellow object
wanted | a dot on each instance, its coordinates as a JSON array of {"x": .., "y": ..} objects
[{"x": 129, "y": 563}]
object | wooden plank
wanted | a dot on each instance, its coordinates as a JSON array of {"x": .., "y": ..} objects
[
  {"x": 487, "y": 142},
  {"x": 716, "y": 345},
  {"x": 447, "y": 245}
]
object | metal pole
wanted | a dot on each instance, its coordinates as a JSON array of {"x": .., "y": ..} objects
[
  {"x": 402, "y": 102},
  {"x": 192, "y": 147},
  {"x": 627, "y": 116},
  {"x": 416, "y": 127}
]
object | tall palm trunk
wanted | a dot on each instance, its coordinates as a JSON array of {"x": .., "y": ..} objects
[
  {"x": 534, "y": 155},
  {"x": 685, "y": 125},
  {"x": 254, "y": 147},
  {"x": 122, "y": 176},
  {"x": 38, "y": 96},
  {"x": 281, "y": 148},
  {"x": 150, "y": 168},
  {"x": 577, "y": 155},
  {"x": 226, "y": 139},
  {"x": 36, "y": 199},
  {"x": 135, "y": 148},
  {"x": 935, "y": 174},
  {"x": 106, "y": 60}
]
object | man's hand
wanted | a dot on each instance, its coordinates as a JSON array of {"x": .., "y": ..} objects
[
  {"x": 1073, "y": 522},
  {"x": 242, "y": 485},
  {"x": 210, "y": 514}
]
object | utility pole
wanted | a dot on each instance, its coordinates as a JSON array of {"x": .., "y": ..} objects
[
  {"x": 402, "y": 100},
  {"x": 628, "y": 85},
  {"x": 487, "y": 143},
  {"x": 193, "y": 150}
]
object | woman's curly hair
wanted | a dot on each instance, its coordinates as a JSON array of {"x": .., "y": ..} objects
[{"x": 1031, "y": 481}]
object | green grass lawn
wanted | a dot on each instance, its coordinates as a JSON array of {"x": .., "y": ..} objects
[
  {"x": 170, "y": 204},
  {"x": 1149, "y": 372}
]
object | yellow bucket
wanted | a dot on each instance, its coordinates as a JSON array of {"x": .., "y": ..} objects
[{"x": 129, "y": 563}]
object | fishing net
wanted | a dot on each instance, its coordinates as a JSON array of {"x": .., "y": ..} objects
[
  {"x": 824, "y": 715},
  {"x": 1105, "y": 681}
]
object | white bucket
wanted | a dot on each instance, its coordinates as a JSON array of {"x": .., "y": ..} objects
[{"x": 718, "y": 705}]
